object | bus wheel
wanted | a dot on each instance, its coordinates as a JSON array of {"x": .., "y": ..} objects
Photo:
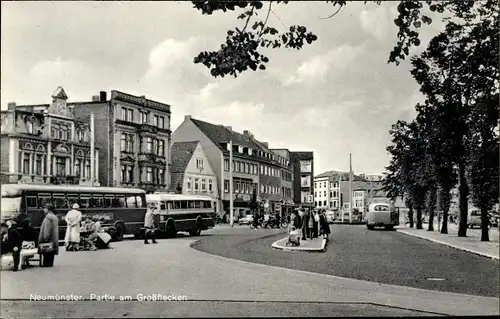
[
  {"x": 119, "y": 232},
  {"x": 197, "y": 231},
  {"x": 170, "y": 229}
]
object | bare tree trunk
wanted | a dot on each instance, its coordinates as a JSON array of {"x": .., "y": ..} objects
[
  {"x": 419, "y": 217},
  {"x": 410, "y": 216},
  {"x": 464, "y": 193},
  {"x": 432, "y": 206},
  {"x": 444, "y": 227},
  {"x": 485, "y": 234}
]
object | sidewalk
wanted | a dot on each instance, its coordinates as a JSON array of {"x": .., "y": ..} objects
[
  {"x": 312, "y": 245},
  {"x": 472, "y": 243}
]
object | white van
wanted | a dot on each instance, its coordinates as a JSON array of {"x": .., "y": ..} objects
[{"x": 383, "y": 215}]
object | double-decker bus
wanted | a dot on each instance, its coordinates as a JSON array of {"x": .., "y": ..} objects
[
  {"x": 123, "y": 209},
  {"x": 186, "y": 213}
]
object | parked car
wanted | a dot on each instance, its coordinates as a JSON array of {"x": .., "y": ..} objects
[
  {"x": 474, "y": 218},
  {"x": 247, "y": 220},
  {"x": 330, "y": 216},
  {"x": 493, "y": 218}
]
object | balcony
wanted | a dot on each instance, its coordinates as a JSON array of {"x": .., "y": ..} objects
[{"x": 147, "y": 128}]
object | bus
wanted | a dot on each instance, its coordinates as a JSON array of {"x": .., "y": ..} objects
[
  {"x": 123, "y": 209},
  {"x": 186, "y": 213},
  {"x": 382, "y": 214}
]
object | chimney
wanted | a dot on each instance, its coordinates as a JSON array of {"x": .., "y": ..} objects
[
  {"x": 246, "y": 133},
  {"x": 103, "y": 96},
  {"x": 229, "y": 128},
  {"x": 11, "y": 106},
  {"x": 187, "y": 117},
  {"x": 96, "y": 98}
]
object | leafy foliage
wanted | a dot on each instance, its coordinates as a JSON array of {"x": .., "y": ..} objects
[{"x": 241, "y": 50}]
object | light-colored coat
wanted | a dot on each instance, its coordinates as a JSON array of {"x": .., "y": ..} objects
[
  {"x": 49, "y": 231},
  {"x": 73, "y": 219}
]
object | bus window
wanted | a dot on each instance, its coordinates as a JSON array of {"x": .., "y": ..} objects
[
  {"x": 59, "y": 201},
  {"x": 96, "y": 201},
  {"x": 119, "y": 201},
  {"x": 85, "y": 200},
  {"x": 31, "y": 202},
  {"x": 163, "y": 205},
  {"x": 191, "y": 203},
  {"x": 198, "y": 204},
  {"x": 170, "y": 205},
  {"x": 108, "y": 201},
  {"x": 131, "y": 202},
  {"x": 140, "y": 202},
  {"x": 72, "y": 199},
  {"x": 207, "y": 204},
  {"x": 177, "y": 205},
  {"x": 44, "y": 198},
  {"x": 183, "y": 204}
]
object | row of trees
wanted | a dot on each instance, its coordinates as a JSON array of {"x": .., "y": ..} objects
[{"x": 454, "y": 138}]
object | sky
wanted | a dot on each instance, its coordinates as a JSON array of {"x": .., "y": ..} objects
[{"x": 334, "y": 97}]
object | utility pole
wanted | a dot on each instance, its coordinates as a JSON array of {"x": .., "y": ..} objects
[
  {"x": 350, "y": 188},
  {"x": 92, "y": 149},
  {"x": 221, "y": 194},
  {"x": 231, "y": 213}
]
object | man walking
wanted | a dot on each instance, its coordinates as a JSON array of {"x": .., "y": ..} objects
[
  {"x": 149, "y": 225},
  {"x": 305, "y": 223}
]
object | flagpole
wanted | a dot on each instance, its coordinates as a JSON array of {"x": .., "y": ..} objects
[
  {"x": 92, "y": 150},
  {"x": 350, "y": 188}
]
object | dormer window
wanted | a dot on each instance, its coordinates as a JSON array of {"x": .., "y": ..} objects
[
  {"x": 228, "y": 147},
  {"x": 240, "y": 149},
  {"x": 250, "y": 151},
  {"x": 29, "y": 127}
]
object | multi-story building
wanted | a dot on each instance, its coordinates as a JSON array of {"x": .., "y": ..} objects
[
  {"x": 321, "y": 191},
  {"x": 303, "y": 171},
  {"x": 255, "y": 166},
  {"x": 46, "y": 144},
  {"x": 191, "y": 172},
  {"x": 287, "y": 202},
  {"x": 134, "y": 136}
]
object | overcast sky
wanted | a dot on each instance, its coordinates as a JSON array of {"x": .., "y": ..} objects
[{"x": 335, "y": 97}]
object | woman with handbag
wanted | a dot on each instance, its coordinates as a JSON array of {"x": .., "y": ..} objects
[{"x": 48, "y": 239}]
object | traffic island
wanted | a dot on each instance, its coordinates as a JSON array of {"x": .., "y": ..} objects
[{"x": 311, "y": 245}]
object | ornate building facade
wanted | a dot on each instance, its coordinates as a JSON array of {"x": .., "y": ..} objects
[
  {"x": 46, "y": 144},
  {"x": 134, "y": 136}
]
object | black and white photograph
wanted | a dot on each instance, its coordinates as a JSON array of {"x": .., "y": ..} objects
[{"x": 187, "y": 159}]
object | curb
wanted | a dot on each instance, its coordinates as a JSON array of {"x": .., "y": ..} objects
[
  {"x": 448, "y": 244},
  {"x": 275, "y": 245}
]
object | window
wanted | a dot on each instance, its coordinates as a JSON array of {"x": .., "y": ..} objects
[
  {"x": 196, "y": 183},
  {"x": 247, "y": 168},
  {"x": 161, "y": 147},
  {"x": 26, "y": 163},
  {"x": 204, "y": 184},
  {"x": 240, "y": 169},
  {"x": 199, "y": 163},
  {"x": 139, "y": 201},
  {"x": 315, "y": 194},
  {"x": 237, "y": 186},
  {"x": 226, "y": 165},
  {"x": 29, "y": 126},
  {"x": 262, "y": 189},
  {"x": 161, "y": 176},
  {"x": 119, "y": 201},
  {"x": 156, "y": 120},
  {"x": 127, "y": 143},
  {"x": 130, "y": 173},
  {"x": 149, "y": 174},
  {"x": 226, "y": 186},
  {"x": 127, "y": 114},
  {"x": 324, "y": 203},
  {"x": 188, "y": 183},
  {"x": 97, "y": 201},
  {"x": 39, "y": 164},
  {"x": 161, "y": 122},
  {"x": 324, "y": 184},
  {"x": 210, "y": 185},
  {"x": 31, "y": 202},
  {"x": 335, "y": 194},
  {"x": 144, "y": 117},
  {"x": 149, "y": 145},
  {"x": 87, "y": 168},
  {"x": 324, "y": 193},
  {"x": 60, "y": 166},
  {"x": 261, "y": 170}
]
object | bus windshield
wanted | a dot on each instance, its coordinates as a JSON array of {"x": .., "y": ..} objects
[{"x": 10, "y": 205}]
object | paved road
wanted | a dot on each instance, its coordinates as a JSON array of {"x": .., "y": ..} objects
[
  {"x": 379, "y": 256},
  {"x": 213, "y": 286}
]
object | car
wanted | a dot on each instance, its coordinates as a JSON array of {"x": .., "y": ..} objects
[
  {"x": 247, "y": 220},
  {"x": 330, "y": 216},
  {"x": 474, "y": 218},
  {"x": 493, "y": 219}
]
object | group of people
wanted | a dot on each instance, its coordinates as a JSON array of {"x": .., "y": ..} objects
[
  {"x": 313, "y": 223},
  {"x": 84, "y": 232},
  {"x": 16, "y": 235}
]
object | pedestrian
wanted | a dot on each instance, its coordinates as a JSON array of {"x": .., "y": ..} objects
[
  {"x": 12, "y": 242},
  {"x": 304, "y": 223},
  {"x": 316, "y": 224},
  {"x": 149, "y": 225},
  {"x": 310, "y": 224},
  {"x": 73, "y": 219},
  {"x": 325, "y": 228},
  {"x": 48, "y": 238}
]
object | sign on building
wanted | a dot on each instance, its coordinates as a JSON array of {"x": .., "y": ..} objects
[{"x": 305, "y": 166}]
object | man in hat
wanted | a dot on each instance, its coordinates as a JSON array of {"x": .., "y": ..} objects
[
  {"x": 49, "y": 234},
  {"x": 149, "y": 225}
]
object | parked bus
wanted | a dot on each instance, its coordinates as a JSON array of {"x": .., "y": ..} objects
[
  {"x": 122, "y": 209},
  {"x": 189, "y": 213},
  {"x": 382, "y": 214}
]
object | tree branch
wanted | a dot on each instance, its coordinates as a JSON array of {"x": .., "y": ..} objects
[
  {"x": 332, "y": 15},
  {"x": 248, "y": 19},
  {"x": 267, "y": 17}
]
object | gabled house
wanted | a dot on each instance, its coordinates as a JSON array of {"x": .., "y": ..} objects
[{"x": 191, "y": 170}]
